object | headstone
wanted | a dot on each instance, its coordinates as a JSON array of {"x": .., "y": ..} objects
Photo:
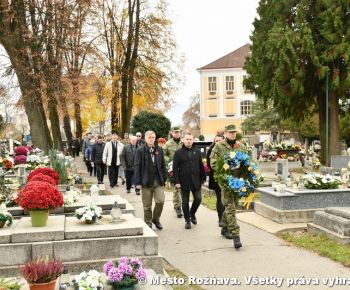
[
  {"x": 255, "y": 154},
  {"x": 338, "y": 161},
  {"x": 281, "y": 169},
  {"x": 327, "y": 170},
  {"x": 11, "y": 146}
]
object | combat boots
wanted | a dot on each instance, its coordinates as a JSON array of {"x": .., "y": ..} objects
[
  {"x": 178, "y": 212},
  {"x": 237, "y": 242},
  {"x": 225, "y": 232}
]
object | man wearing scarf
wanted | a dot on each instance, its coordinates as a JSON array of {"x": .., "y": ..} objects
[{"x": 150, "y": 175}]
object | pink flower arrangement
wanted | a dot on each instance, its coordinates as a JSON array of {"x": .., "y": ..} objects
[
  {"x": 21, "y": 150},
  {"x": 20, "y": 159},
  {"x": 125, "y": 272}
]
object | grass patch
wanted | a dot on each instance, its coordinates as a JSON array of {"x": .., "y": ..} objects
[
  {"x": 209, "y": 200},
  {"x": 321, "y": 245},
  {"x": 173, "y": 272}
]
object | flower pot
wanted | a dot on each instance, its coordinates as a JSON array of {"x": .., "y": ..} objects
[
  {"x": 90, "y": 222},
  {"x": 45, "y": 286},
  {"x": 39, "y": 217},
  {"x": 2, "y": 224}
]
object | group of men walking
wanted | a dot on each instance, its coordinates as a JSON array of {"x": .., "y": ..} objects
[{"x": 146, "y": 164}]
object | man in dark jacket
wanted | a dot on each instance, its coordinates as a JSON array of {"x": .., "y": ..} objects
[
  {"x": 150, "y": 175},
  {"x": 97, "y": 158},
  {"x": 189, "y": 175},
  {"x": 127, "y": 159}
]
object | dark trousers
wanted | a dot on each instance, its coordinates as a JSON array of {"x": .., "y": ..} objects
[
  {"x": 129, "y": 174},
  {"x": 113, "y": 174},
  {"x": 100, "y": 171},
  {"x": 219, "y": 206},
  {"x": 197, "y": 199},
  {"x": 90, "y": 168}
]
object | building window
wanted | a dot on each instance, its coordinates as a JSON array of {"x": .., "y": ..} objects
[
  {"x": 212, "y": 84},
  {"x": 230, "y": 115},
  {"x": 212, "y": 116},
  {"x": 230, "y": 83},
  {"x": 246, "y": 108}
]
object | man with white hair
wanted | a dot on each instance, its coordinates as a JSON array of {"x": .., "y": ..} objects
[
  {"x": 127, "y": 159},
  {"x": 150, "y": 175}
]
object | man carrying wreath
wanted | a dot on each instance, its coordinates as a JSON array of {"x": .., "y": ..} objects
[{"x": 230, "y": 228}]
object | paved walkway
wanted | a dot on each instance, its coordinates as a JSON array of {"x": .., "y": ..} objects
[{"x": 202, "y": 252}]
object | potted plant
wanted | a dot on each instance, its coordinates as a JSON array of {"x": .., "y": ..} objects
[
  {"x": 42, "y": 274},
  {"x": 90, "y": 213},
  {"x": 5, "y": 217},
  {"x": 91, "y": 280},
  {"x": 38, "y": 198},
  {"x": 10, "y": 284},
  {"x": 46, "y": 171},
  {"x": 124, "y": 273}
]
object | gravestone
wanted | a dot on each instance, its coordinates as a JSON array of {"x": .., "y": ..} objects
[
  {"x": 281, "y": 169},
  {"x": 327, "y": 170},
  {"x": 255, "y": 154},
  {"x": 339, "y": 161}
]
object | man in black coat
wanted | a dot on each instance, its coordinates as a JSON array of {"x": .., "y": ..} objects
[
  {"x": 189, "y": 175},
  {"x": 97, "y": 158},
  {"x": 150, "y": 175},
  {"x": 127, "y": 160}
]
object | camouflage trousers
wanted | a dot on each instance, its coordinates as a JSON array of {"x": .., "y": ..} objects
[
  {"x": 229, "y": 217},
  {"x": 177, "y": 198}
]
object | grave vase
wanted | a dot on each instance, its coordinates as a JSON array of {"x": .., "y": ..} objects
[
  {"x": 44, "y": 286},
  {"x": 39, "y": 217}
]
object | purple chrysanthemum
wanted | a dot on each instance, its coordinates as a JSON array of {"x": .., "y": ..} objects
[
  {"x": 135, "y": 261},
  {"x": 115, "y": 275},
  {"x": 123, "y": 260},
  {"x": 141, "y": 274},
  {"x": 125, "y": 269},
  {"x": 107, "y": 267}
]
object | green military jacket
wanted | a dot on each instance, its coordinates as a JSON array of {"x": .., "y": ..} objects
[
  {"x": 169, "y": 149},
  {"x": 222, "y": 148}
]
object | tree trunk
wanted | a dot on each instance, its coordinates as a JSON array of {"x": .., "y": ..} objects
[
  {"x": 54, "y": 119},
  {"x": 66, "y": 119},
  {"x": 321, "y": 102},
  {"x": 115, "y": 122},
  {"x": 77, "y": 109},
  {"x": 334, "y": 124},
  {"x": 306, "y": 147},
  {"x": 124, "y": 110}
]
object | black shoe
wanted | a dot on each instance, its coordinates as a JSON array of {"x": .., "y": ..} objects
[
  {"x": 128, "y": 191},
  {"x": 193, "y": 220},
  {"x": 178, "y": 212},
  {"x": 226, "y": 233},
  {"x": 237, "y": 242},
  {"x": 111, "y": 185},
  {"x": 221, "y": 223},
  {"x": 137, "y": 192},
  {"x": 187, "y": 225},
  {"x": 150, "y": 225},
  {"x": 158, "y": 225}
]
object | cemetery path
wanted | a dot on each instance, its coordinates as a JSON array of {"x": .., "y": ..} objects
[{"x": 202, "y": 252}]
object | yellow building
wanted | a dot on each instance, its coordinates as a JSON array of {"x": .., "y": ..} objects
[{"x": 223, "y": 99}]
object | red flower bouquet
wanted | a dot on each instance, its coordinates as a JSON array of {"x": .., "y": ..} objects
[
  {"x": 43, "y": 178},
  {"x": 21, "y": 150},
  {"x": 20, "y": 159},
  {"x": 38, "y": 195},
  {"x": 45, "y": 171}
]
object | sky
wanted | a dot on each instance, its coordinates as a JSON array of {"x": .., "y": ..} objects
[{"x": 206, "y": 30}]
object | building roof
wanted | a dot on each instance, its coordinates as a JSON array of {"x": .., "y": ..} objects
[{"x": 235, "y": 59}]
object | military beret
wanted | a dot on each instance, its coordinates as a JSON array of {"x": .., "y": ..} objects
[
  {"x": 230, "y": 128},
  {"x": 176, "y": 128}
]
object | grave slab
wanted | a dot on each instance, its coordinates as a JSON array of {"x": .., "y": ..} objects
[
  {"x": 128, "y": 226},
  {"x": 6, "y": 232},
  {"x": 25, "y": 233}
]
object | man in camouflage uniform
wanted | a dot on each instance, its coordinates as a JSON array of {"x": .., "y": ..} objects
[
  {"x": 169, "y": 149},
  {"x": 230, "y": 228}
]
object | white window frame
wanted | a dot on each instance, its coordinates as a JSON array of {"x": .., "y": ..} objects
[
  {"x": 212, "y": 87},
  {"x": 246, "y": 107},
  {"x": 230, "y": 83}
]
